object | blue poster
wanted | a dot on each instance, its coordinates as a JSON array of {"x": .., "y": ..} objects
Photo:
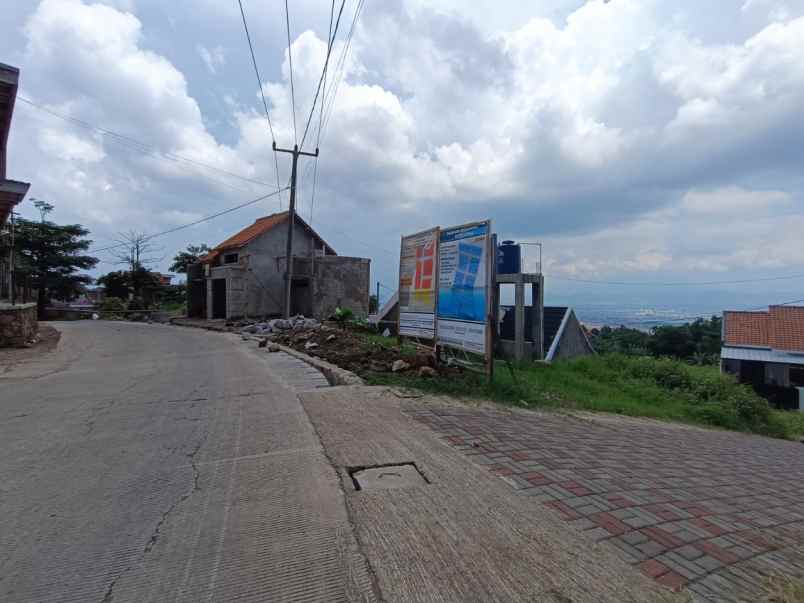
[{"x": 462, "y": 291}]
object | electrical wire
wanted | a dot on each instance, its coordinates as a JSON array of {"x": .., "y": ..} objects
[
  {"x": 262, "y": 95},
  {"x": 290, "y": 65},
  {"x": 330, "y": 40},
  {"x": 194, "y": 222},
  {"x": 341, "y": 64},
  {"x": 139, "y": 145},
  {"x": 678, "y": 284}
]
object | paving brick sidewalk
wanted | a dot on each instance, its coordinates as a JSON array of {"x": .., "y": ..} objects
[{"x": 716, "y": 512}]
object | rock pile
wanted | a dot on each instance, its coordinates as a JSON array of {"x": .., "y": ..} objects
[{"x": 280, "y": 325}]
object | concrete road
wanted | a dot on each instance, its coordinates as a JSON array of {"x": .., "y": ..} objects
[{"x": 155, "y": 463}]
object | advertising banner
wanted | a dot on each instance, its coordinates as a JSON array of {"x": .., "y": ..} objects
[
  {"x": 463, "y": 286},
  {"x": 417, "y": 284}
]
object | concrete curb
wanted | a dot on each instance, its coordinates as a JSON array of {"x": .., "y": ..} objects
[{"x": 334, "y": 374}]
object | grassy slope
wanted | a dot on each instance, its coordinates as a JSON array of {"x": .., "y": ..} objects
[{"x": 660, "y": 389}]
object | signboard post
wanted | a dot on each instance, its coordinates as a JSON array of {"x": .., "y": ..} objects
[
  {"x": 464, "y": 306},
  {"x": 417, "y": 284}
]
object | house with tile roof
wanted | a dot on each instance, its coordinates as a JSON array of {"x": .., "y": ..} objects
[
  {"x": 244, "y": 276},
  {"x": 766, "y": 350}
]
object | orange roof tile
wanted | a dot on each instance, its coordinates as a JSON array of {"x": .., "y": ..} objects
[
  {"x": 746, "y": 328},
  {"x": 787, "y": 332},
  {"x": 781, "y": 328},
  {"x": 260, "y": 226}
]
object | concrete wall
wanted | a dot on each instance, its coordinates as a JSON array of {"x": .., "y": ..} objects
[
  {"x": 18, "y": 324},
  {"x": 265, "y": 283},
  {"x": 255, "y": 285},
  {"x": 341, "y": 282},
  {"x": 573, "y": 342},
  {"x": 196, "y": 291}
]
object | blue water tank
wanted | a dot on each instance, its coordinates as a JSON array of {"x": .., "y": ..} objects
[{"x": 509, "y": 258}]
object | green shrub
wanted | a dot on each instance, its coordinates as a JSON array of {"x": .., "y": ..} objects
[
  {"x": 637, "y": 386},
  {"x": 112, "y": 307},
  {"x": 134, "y": 306}
]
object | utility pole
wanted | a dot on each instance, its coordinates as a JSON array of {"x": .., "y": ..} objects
[
  {"x": 291, "y": 219},
  {"x": 378, "y": 299}
]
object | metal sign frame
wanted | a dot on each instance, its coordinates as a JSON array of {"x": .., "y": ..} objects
[{"x": 455, "y": 354}]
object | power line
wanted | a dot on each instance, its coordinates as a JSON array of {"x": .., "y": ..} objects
[
  {"x": 328, "y": 102},
  {"x": 290, "y": 64},
  {"x": 330, "y": 40},
  {"x": 262, "y": 94},
  {"x": 678, "y": 284},
  {"x": 194, "y": 222},
  {"x": 139, "y": 145},
  {"x": 342, "y": 62}
]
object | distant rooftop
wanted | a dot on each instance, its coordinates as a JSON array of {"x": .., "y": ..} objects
[{"x": 780, "y": 328}]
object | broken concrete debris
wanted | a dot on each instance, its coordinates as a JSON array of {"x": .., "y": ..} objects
[
  {"x": 427, "y": 371},
  {"x": 399, "y": 366},
  {"x": 278, "y": 325}
]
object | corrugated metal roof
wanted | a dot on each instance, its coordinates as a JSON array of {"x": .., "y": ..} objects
[{"x": 760, "y": 355}]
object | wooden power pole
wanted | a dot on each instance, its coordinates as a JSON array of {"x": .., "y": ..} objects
[{"x": 291, "y": 219}]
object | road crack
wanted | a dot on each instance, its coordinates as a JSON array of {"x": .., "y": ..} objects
[{"x": 108, "y": 597}]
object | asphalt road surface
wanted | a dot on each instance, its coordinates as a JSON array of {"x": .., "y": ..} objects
[{"x": 156, "y": 463}]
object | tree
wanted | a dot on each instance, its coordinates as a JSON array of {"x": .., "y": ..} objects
[
  {"x": 138, "y": 254},
  {"x": 186, "y": 258},
  {"x": 117, "y": 284},
  {"x": 50, "y": 255}
]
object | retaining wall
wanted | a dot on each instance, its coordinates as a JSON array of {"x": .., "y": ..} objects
[{"x": 18, "y": 324}]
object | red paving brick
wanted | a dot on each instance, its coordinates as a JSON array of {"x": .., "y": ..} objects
[
  {"x": 665, "y": 488},
  {"x": 653, "y": 568},
  {"x": 672, "y": 580}
]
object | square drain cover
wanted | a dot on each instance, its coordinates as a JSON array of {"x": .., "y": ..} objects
[{"x": 387, "y": 477}]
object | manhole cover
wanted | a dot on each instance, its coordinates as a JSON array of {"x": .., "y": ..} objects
[{"x": 387, "y": 477}]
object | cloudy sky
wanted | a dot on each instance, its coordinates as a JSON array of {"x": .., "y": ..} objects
[{"x": 641, "y": 141}]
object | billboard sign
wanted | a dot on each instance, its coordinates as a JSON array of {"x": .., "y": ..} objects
[
  {"x": 464, "y": 273},
  {"x": 417, "y": 284}
]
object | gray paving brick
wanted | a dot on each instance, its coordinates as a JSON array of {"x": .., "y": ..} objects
[
  {"x": 583, "y": 523},
  {"x": 709, "y": 563},
  {"x": 634, "y": 538},
  {"x": 651, "y": 548},
  {"x": 630, "y": 553},
  {"x": 689, "y": 552},
  {"x": 681, "y": 566},
  {"x": 598, "y": 533},
  {"x": 638, "y": 521}
]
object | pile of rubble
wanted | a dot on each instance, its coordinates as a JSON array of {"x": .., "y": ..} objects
[{"x": 279, "y": 325}]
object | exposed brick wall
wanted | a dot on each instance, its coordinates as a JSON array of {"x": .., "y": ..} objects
[{"x": 18, "y": 324}]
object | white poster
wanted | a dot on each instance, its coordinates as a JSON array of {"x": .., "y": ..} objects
[{"x": 417, "y": 284}]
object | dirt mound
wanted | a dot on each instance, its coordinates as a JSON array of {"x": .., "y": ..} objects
[{"x": 354, "y": 350}]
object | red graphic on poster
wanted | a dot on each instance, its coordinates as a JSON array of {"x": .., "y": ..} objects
[{"x": 425, "y": 266}]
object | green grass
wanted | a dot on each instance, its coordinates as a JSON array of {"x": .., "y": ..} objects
[
  {"x": 640, "y": 387},
  {"x": 406, "y": 349}
]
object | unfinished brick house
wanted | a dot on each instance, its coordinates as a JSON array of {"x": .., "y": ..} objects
[{"x": 244, "y": 276}]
